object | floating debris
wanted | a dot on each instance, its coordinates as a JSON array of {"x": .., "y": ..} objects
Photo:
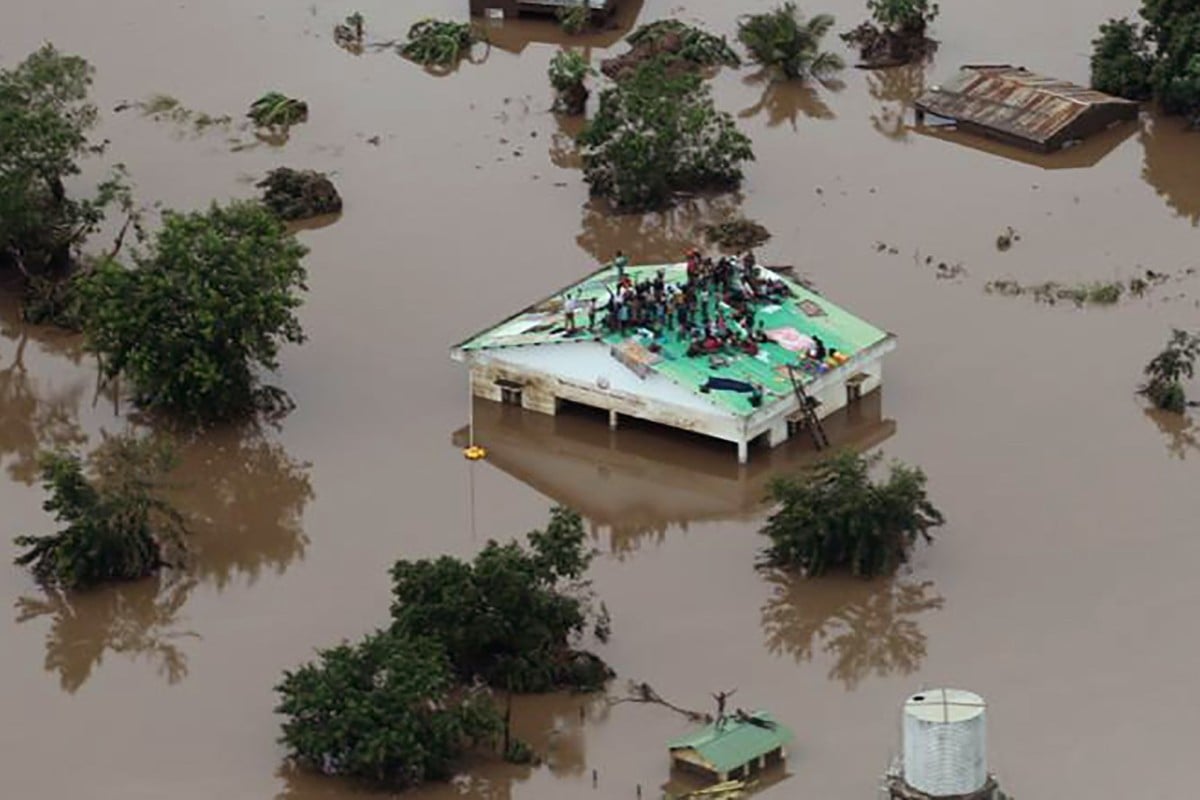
[
  {"x": 1005, "y": 240},
  {"x": 1099, "y": 293},
  {"x": 299, "y": 194}
]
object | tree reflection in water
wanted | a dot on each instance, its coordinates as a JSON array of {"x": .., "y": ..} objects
[
  {"x": 658, "y": 237},
  {"x": 896, "y": 88},
  {"x": 244, "y": 498},
  {"x": 786, "y": 101},
  {"x": 1171, "y": 165},
  {"x": 864, "y": 626},
  {"x": 138, "y": 620},
  {"x": 33, "y": 419},
  {"x": 1182, "y": 432}
]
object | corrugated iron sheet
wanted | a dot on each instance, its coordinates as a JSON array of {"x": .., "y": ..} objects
[{"x": 1014, "y": 101}]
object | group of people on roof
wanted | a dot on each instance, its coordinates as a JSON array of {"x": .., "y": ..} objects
[{"x": 712, "y": 309}]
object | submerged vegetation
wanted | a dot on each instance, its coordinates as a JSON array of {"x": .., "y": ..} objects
[
  {"x": 386, "y": 709},
  {"x": 187, "y": 346},
  {"x": 349, "y": 33},
  {"x": 436, "y": 43},
  {"x": 1098, "y": 293},
  {"x": 896, "y": 34},
  {"x": 657, "y": 134},
  {"x": 737, "y": 234},
  {"x": 678, "y": 46},
  {"x": 116, "y": 525},
  {"x": 508, "y": 616},
  {"x": 277, "y": 110},
  {"x": 836, "y": 517},
  {"x": 46, "y": 118},
  {"x": 1167, "y": 371},
  {"x": 299, "y": 194},
  {"x": 568, "y": 71},
  {"x": 401, "y": 705},
  {"x": 1159, "y": 59},
  {"x": 783, "y": 41}
]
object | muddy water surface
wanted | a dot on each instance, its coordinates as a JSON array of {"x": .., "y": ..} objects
[{"x": 1062, "y": 588}]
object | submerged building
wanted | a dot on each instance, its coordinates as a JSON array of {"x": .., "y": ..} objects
[
  {"x": 562, "y": 350},
  {"x": 1014, "y": 105},
  {"x": 732, "y": 748}
]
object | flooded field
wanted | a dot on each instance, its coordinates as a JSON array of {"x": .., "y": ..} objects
[{"x": 1062, "y": 588}]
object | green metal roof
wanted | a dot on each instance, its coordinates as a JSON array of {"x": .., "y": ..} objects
[
  {"x": 729, "y": 743},
  {"x": 805, "y": 313}
]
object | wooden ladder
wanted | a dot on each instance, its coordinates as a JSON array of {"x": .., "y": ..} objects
[{"x": 808, "y": 410}]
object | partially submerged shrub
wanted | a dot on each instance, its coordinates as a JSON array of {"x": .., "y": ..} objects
[
  {"x": 909, "y": 17},
  {"x": 277, "y": 110},
  {"x": 508, "y": 616},
  {"x": 678, "y": 46},
  {"x": 299, "y": 194},
  {"x": 206, "y": 307},
  {"x": 433, "y": 42},
  {"x": 1167, "y": 371},
  {"x": 349, "y": 33},
  {"x": 834, "y": 516},
  {"x": 656, "y": 134},
  {"x": 784, "y": 41},
  {"x": 386, "y": 710},
  {"x": 574, "y": 18},
  {"x": 1160, "y": 58},
  {"x": 1121, "y": 61},
  {"x": 116, "y": 526},
  {"x": 694, "y": 44},
  {"x": 737, "y": 234},
  {"x": 896, "y": 33},
  {"x": 568, "y": 71}
]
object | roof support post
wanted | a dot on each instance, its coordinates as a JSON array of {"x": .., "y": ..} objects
[{"x": 743, "y": 451}]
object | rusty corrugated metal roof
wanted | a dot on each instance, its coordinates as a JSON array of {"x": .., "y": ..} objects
[{"x": 1014, "y": 100}]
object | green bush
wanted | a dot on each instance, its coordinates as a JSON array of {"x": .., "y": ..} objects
[
  {"x": 908, "y": 17},
  {"x": 835, "y": 517},
  {"x": 277, "y": 110},
  {"x": 1121, "y": 63},
  {"x": 687, "y": 42},
  {"x": 436, "y": 43},
  {"x": 116, "y": 526},
  {"x": 1161, "y": 58},
  {"x": 568, "y": 71},
  {"x": 1166, "y": 371},
  {"x": 508, "y": 616},
  {"x": 46, "y": 118},
  {"x": 783, "y": 41},
  {"x": 209, "y": 304},
  {"x": 386, "y": 710},
  {"x": 657, "y": 133}
]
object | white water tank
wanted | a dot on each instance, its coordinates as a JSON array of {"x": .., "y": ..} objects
[{"x": 945, "y": 746}]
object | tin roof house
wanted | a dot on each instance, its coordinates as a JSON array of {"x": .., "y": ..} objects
[
  {"x": 564, "y": 349},
  {"x": 1020, "y": 107},
  {"x": 733, "y": 747}
]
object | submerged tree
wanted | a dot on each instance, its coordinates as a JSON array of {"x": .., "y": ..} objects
[
  {"x": 896, "y": 34},
  {"x": 656, "y": 134},
  {"x": 277, "y": 110},
  {"x": 507, "y": 617},
  {"x": 205, "y": 308},
  {"x": 835, "y": 516},
  {"x": 681, "y": 47},
  {"x": 45, "y": 122},
  {"x": 434, "y": 43},
  {"x": 116, "y": 524},
  {"x": 568, "y": 71},
  {"x": 385, "y": 710},
  {"x": 1161, "y": 58},
  {"x": 784, "y": 41},
  {"x": 1166, "y": 371},
  {"x": 299, "y": 194}
]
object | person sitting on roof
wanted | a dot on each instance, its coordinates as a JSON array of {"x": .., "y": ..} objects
[{"x": 818, "y": 350}]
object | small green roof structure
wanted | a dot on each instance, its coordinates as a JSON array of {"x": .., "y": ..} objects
[{"x": 733, "y": 746}]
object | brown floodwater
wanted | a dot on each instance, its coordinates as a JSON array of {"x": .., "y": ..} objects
[{"x": 1062, "y": 588}]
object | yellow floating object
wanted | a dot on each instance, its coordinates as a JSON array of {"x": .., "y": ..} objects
[{"x": 474, "y": 453}]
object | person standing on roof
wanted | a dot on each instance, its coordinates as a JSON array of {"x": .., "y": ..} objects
[{"x": 620, "y": 262}]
